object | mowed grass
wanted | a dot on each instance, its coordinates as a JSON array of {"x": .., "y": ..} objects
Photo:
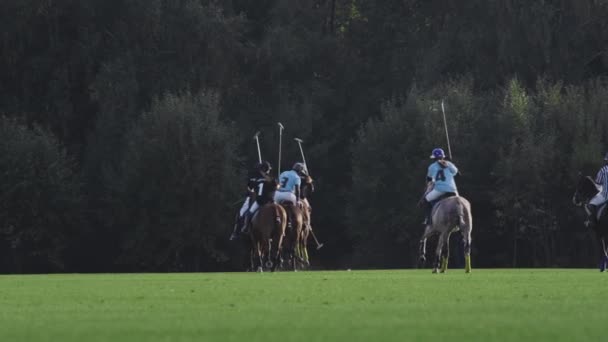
[{"x": 410, "y": 305}]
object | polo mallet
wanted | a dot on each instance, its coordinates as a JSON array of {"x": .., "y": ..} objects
[
  {"x": 256, "y": 137},
  {"x": 281, "y": 128},
  {"x": 300, "y": 141},
  {"x": 447, "y": 136},
  {"x": 319, "y": 245}
]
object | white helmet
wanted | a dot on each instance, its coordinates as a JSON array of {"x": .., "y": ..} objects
[{"x": 298, "y": 167}]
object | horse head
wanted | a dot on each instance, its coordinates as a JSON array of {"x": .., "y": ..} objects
[{"x": 585, "y": 190}]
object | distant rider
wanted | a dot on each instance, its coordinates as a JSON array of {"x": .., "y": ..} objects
[
  {"x": 596, "y": 202},
  {"x": 289, "y": 185},
  {"x": 259, "y": 192},
  {"x": 440, "y": 181},
  {"x": 306, "y": 189}
]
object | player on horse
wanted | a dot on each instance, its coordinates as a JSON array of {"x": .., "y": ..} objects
[
  {"x": 592, "y": 194},
  {"x": 260, "y": 190},
  {"x": 306, "y": 189},
  {"x": 447, "y": 212},
  {"x": 288, "y": 196},
  {"x": 601, "y": 180},
  {"x": 440, "y": 182}
]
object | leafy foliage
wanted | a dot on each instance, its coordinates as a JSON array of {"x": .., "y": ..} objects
[
  {"x": 123, "y": 88},
  {"x": 40, "y": 211},
  {"x": 176, "y": 183}
]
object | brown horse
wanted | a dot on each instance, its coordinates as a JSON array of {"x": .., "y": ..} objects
[
  {"x": 304, "y": 235},
  {"x": 293, "y": 233},
  {"x": 267, "y": 231}
]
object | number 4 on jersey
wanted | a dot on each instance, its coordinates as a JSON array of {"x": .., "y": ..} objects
[{"x": 440, "y": 176}]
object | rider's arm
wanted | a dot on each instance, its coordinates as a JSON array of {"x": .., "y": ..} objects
[{"x": 453, "y": 169}]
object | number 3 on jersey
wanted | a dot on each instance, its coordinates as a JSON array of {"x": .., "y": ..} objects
[{"x": 440, "y": 176}]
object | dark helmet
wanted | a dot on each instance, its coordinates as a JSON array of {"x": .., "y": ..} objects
[
  {"x": 298, "y": 167},
  {"x": 264, "y": 167},
  {"x": 437, "y": 154}
]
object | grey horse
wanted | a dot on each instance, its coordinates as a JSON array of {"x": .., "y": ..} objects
[{"x": 449, "y": 215}]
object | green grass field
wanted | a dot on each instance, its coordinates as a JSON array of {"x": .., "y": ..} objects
[{"x": 487, "y": 305}]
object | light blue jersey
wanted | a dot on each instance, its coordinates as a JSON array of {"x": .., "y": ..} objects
[
  {"x": 289, "y": 180},
  {"x": 443, "y": 177}
]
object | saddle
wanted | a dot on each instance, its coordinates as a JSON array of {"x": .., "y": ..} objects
[{"x": 444, "y": 196}]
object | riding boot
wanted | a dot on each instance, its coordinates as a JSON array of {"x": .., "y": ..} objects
[
  {"x": 592, "y": 218},
  {"x": 428, "y": 209},
  {"x": 246, "y": 222},
  {"x": 235, "y": 232}
]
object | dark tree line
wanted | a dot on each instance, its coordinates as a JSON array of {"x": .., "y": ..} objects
[{"x": 126, "y": 125}]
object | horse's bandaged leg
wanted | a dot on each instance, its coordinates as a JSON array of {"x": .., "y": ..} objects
[
  {"x": 444, "y": 264},
  {"x": 467, "y": 260}
]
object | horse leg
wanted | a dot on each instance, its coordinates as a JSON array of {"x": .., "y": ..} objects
[
  {"x": 269, "y": 264},
  {"x": 422, "y": 247},
  {"x": 445, "y": 255},
  {"x": 604, "y": 256},
  {"x": 276, "y": 243},
  {"x": 258, "y": 247},
  {"x": 440, "y": 243},
  {"x": 605, "y": 252},
  {"x": 305, "y": 249},
  {"x": 466, "y": 241},
  {"x": 252, "y": 258},
  {"x": 293, "y": 256}
]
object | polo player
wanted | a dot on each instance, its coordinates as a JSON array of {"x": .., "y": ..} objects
[
  {"x": 596, "y": 202},
  {"x": 260, "y": 190},
  {"x": 440, "y": 181}
]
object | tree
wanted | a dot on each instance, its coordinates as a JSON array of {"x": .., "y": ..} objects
[
  {"x": 177, "y": 180},
  {"x": 40, "y": 198}
]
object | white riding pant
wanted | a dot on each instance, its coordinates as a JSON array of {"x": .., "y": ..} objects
[
  {"x": 433, "y": 195},
  {"x": 244, "y": 207},
  {"x": 598, "y": 200},
  {"x": 285, "y": 196},
  {"x": 254, "y": 207}
]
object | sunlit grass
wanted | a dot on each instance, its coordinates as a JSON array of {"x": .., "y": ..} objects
[{"x": 505, "y": 305}]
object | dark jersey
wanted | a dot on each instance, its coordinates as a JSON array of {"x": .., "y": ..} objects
[
  {"x": 263, "y": 187},
  {"x": 307, "y": 187},
  {"x": 254, "y": 179},
  {"x": 268, "y": 190}
]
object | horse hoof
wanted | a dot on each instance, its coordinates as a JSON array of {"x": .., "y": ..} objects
[
  {"x": 260, "y": 269},
  {"x": 435, "y": 270}
]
